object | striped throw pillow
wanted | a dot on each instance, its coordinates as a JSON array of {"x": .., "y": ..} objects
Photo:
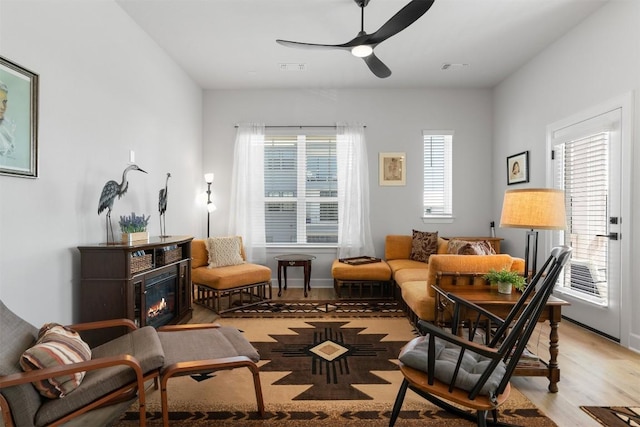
[{"x": 56, "y": 345}]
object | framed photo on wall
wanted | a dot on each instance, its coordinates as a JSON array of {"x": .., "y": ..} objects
[
  {"x": 518, "y": 168},
  {"x": 18, "y": 120},
  {"x": 393, "y": 169}
]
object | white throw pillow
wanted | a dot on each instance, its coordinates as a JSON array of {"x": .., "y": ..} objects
[{"x": 224, "y": 251}]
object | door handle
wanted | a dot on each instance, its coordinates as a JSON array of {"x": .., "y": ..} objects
[{"x": 611, "y": 236}]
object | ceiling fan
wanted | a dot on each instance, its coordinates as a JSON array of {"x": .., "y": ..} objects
[{"x": 363, "y": 44}]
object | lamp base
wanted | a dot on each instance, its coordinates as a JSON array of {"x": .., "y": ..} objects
[{"x": 531, "y": 252}]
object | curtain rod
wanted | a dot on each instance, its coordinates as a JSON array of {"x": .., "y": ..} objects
[{"x": 300, "y": 126}]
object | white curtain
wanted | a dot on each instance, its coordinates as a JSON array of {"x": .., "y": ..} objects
[
  {"x": 246, "y": 215},
  {"x": 354, "y": 229}
]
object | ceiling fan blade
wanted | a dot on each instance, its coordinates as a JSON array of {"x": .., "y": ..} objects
[
  {"x": 401, "y": 20},
  {"x": 376, "y": 66},
  {"x": 289, "y": 43}
]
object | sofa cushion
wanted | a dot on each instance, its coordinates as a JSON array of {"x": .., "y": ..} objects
[
  {"x": 418, "y": 300},
  {"x": 375, "y": 271},
  {"x": 411, "y": 275},
  {"x": 398, "y": 246},
  {"x": 231, "y": 276},
  {"x": 224, "y": 251},
  {"x": 472, "y": 366},
  {"x": 205, "y": 344},
  {"x": 200, "y": 256},
  {"x": 423, "y": 245},
  {"x": 57, "y": 345},
  {"x": 464, "y": 247}
]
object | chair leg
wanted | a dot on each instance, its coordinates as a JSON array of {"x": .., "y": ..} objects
[
  {"x": 164, "y": 402},
  {"x": 255, "y": 372},
  {"x": 398, "y": 403},
  {"x": 258, "y": 388},
  {"x": 482, "y": 418}
]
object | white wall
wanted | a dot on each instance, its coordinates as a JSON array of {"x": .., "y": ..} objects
[
  {"x": 105, "y": 89},
  {"x": 394, "y": 122},
  {"x": 597, "y": 61}
]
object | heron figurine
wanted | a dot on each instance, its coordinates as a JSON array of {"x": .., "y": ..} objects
[
  {"x": 109, "y": 192},
  {"x": 162, "y": 207}
]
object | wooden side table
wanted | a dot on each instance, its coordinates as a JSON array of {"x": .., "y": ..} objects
[
  {"x": 488, "y": 298},
  {"x": 294, "y": 260}
]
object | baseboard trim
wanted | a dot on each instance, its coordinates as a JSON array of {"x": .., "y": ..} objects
[{"x": 589, "y": 328}]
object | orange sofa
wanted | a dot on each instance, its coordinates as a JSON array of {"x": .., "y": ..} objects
[{"x": 414, "y": 279}]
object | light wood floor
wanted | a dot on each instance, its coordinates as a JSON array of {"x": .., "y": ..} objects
[{"x": 594, "y": 370}]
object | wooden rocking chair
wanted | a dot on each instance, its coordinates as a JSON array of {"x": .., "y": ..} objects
[{"x": 443, "y": 367}]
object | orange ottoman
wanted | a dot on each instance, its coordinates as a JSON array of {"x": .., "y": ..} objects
[{"x": 370, "y": 276}]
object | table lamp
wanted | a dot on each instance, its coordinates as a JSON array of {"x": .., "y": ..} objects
[{"x": 533, "y": 208}]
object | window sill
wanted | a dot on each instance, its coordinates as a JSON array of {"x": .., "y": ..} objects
[
  {"x": 299, "y": 246},
  {"x": 437, "y": 219}
]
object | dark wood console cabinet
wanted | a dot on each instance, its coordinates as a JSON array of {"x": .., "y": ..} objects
[{"x": 117, "y": 280}]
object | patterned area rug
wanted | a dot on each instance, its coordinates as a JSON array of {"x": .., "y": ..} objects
[
  {"x": 614, "y": 416},
  {"x": 325, "y": 308},
  {"x": 315, "y": 372}
]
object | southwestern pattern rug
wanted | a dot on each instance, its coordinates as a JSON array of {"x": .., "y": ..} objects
[
  {"x": 614, "y": 416},
  {"x": 324, "y": 308},
  {"x": 315, "y": 372}
]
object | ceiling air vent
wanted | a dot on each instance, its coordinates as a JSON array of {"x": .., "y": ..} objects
[
  {"x": 293, "y": 67},
  {"x": 452, "y": 66}
]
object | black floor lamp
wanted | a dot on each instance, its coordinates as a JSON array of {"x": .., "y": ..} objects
[
  {"x": 208, "y": 177},
  {"x": 533, "y": 208}
]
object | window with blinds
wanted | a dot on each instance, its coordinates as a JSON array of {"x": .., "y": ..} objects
[
  {"x": 582, "y": 170},
  {"x": 437, "y": 176},
  {"x": 301, "y": 189}
]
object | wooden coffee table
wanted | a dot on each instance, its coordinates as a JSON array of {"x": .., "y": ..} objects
[
  {"x": 294, "y": 260},
  {"x": 488, "y": 298}
]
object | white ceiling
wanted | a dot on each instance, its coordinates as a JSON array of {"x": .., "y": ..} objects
[{"x": 230, "y": 44}]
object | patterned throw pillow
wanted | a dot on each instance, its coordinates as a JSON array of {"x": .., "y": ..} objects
[
  {"x": 224, "y": 251},
  {"x": 423, "y": 245},
  {"x": 463, "y": 247},
  {"x": 56, "y": 345}
]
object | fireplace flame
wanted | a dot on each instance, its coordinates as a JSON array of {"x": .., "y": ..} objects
[{"x": 157, "y": 309}]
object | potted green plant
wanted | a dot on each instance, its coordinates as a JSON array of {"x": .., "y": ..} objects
[
  {"x": 505, "y": 279},
  {"x": 134, "y": 227}
]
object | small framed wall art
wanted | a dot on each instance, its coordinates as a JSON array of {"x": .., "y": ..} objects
[
  {"x": 18, "y": 120},
  {"x": 393, "y": 169},
  {"x": 518, "y": 168}
]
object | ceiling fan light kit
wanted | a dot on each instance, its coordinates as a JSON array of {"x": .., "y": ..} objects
[
  {"x": 362, "y": 50},
  {"x": 363, "y": 44}
]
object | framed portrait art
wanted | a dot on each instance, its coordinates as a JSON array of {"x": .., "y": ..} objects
[
  {"x": 392, "y": 169},
  {"x": 18, "y": 120},
  {"x": 518, "y": 168}
]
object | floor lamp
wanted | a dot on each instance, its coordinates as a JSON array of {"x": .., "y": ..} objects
[
  {"x": 533, "y": 208},
  {"x": 208, "y": 177}
]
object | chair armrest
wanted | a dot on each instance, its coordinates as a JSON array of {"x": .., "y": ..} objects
[
  {"x": 206, "y": 365},
  {"x": 104, "y": 324},
  {"x": 189, "y": 327},
  {"x": 89, "y": 365}
]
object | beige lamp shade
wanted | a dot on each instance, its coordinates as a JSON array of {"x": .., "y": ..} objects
[{"x": 534, "y": 208}]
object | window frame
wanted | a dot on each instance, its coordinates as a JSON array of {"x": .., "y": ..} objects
[
  {"x": 302, "y": 199},
  {"x": 446, "y": 183}
]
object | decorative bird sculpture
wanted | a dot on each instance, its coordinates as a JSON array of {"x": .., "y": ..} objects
[
  {"x": 162, "y": 207},
  {"x": 109, "y": 192}
]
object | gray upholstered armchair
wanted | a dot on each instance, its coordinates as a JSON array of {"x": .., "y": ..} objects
[{"x": 116, "y": 371}]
